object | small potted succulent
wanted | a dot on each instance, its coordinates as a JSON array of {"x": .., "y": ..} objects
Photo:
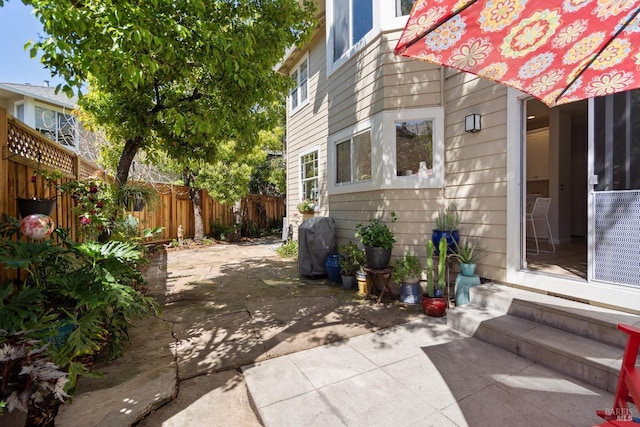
[
  {"x": 378, "y": 240},
  {"x": 468, "y": 253},
  {"x": 447, "y": 223}
]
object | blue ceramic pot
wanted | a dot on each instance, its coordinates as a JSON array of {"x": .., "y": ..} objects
[{"x": 450, "y": 236}]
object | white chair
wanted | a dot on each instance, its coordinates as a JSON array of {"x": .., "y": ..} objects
[{"x": 540, "y": 212}]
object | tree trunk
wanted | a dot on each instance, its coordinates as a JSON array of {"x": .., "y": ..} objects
[
  {"x": 196, "y": 199},
  {"x": 188, "y": 176},
  {"x": 129, "y": 151}
]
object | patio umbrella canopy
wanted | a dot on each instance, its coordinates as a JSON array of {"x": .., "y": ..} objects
[{"x": 557, "y": 51}]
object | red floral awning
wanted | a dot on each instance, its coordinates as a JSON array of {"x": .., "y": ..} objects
[{"x": 557, "y": 51}]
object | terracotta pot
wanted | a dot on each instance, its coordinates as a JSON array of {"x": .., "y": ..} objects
[{"x": 434, "y": 307}]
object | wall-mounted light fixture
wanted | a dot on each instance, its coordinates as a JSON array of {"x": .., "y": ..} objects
[{"x": 472, "y": 123}]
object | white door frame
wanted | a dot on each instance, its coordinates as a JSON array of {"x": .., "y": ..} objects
[{"x": 597, "y": 293}]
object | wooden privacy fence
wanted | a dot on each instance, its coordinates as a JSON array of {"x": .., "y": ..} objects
[
  {"x": 176, "y": 209},
  {"x": 22, "y": 148}
]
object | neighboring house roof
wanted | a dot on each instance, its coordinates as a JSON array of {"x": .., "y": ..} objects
[{"x": 42, "y": 93}]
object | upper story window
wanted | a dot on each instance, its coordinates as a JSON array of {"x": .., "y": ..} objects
[
  {"x": 309, "y": 177},
  {"x": 414, "y": 148},
  {"x": 352, "y": 20},
  {"x": 57, "y": 126},
  {"x": 300, "y": 94},
  {"x": 353, "y": 159},
  {"x": 403, "y": 7}
]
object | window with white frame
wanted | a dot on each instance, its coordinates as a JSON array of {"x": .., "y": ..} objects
[
  {"x": 57, "y": 126},
  {"x": 393, "y": 149},
  {"x": 309, "y": 177},
  {"x": 352, "y": 19},
  {"x": 403, "y": 7},
  {"x": 299, "y": 94},
  {"x": 353, "y": 159},
  {"x": 414, "y": 147}
]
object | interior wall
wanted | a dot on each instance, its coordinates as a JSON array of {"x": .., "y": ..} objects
[{"x": 560, "y": 174}]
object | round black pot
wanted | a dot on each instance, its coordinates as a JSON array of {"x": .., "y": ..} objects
[{"x": 377, "y": 258}]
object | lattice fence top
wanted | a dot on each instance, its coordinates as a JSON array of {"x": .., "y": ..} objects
[
  {"x": 88, "y": 169},
  {"x": 36, "y": 149}
]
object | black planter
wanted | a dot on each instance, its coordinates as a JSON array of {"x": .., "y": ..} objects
[
  {"x": 377, "y": 258},
  {"x": 451, "y": 236},
  {"x": 28, "y": 207}
]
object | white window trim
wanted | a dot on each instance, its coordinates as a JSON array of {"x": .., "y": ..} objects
[
  {"x": 60, "y": 110},
  {"x": 389, "y": 20},
  {"x": 301, "y": 103},
  {"x": 383, "y": 152},
  {"x": 370, "y": 36},
  {"x": 301, "y": 154}
]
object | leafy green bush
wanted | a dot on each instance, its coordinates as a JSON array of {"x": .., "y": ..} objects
[
  {"x": 289, "y": 249},
  {"x": 80, "y": 297},
  {"x": 376, "y": 233}
]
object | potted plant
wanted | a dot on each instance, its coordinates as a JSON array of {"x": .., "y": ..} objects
[
  {"x": 407, "y": 271},
  {"x": 447, "y": 223},
  {"x": 434, "y": 302},
  {"x": 467, "y": 253},
  {"x": 43, "y": 198},
  {"x": 378, "y": 240},
  {"x": 135, "y": 196},
  {"x": 351, "y": 258},
  {"x": 306, "y": 207}
]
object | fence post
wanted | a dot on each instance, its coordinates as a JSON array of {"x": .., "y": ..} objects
[
  {"x": 4, "y": 165},
  {"x": 174, "y": 212}
]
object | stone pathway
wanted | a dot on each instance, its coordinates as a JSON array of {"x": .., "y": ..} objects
[{"x": 223, "y": 307}]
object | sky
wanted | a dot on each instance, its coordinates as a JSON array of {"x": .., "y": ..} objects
[{"x": 17, "y": 26}]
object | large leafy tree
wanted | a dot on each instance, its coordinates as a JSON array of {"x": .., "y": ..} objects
[{"x": 183, "y": 75}]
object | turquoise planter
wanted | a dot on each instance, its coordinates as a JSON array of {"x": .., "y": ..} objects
[
  {"x": 467, "y": 269},
  {"x": 463, "y": 284}
]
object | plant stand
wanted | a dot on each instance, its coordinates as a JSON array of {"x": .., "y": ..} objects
[
  {"x": 463, "y": 283},
  {"x": 385, "y": 276}
]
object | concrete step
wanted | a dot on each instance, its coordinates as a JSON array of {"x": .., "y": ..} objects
[
  {"x": 586, "y": 320},
  {"x": 575, "y": 338}
]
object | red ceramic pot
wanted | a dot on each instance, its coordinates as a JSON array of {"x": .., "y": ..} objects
[{"x": 435, "y": 307}]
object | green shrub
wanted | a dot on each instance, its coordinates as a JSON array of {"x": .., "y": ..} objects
[
  {"x": 80, "y": 297},
  {"x": 289, "y": 249}
]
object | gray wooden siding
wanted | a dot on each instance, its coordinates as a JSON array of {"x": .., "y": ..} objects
[
  {"x": 307, "y": 128},
  {"x": 476, "y": 165}
]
